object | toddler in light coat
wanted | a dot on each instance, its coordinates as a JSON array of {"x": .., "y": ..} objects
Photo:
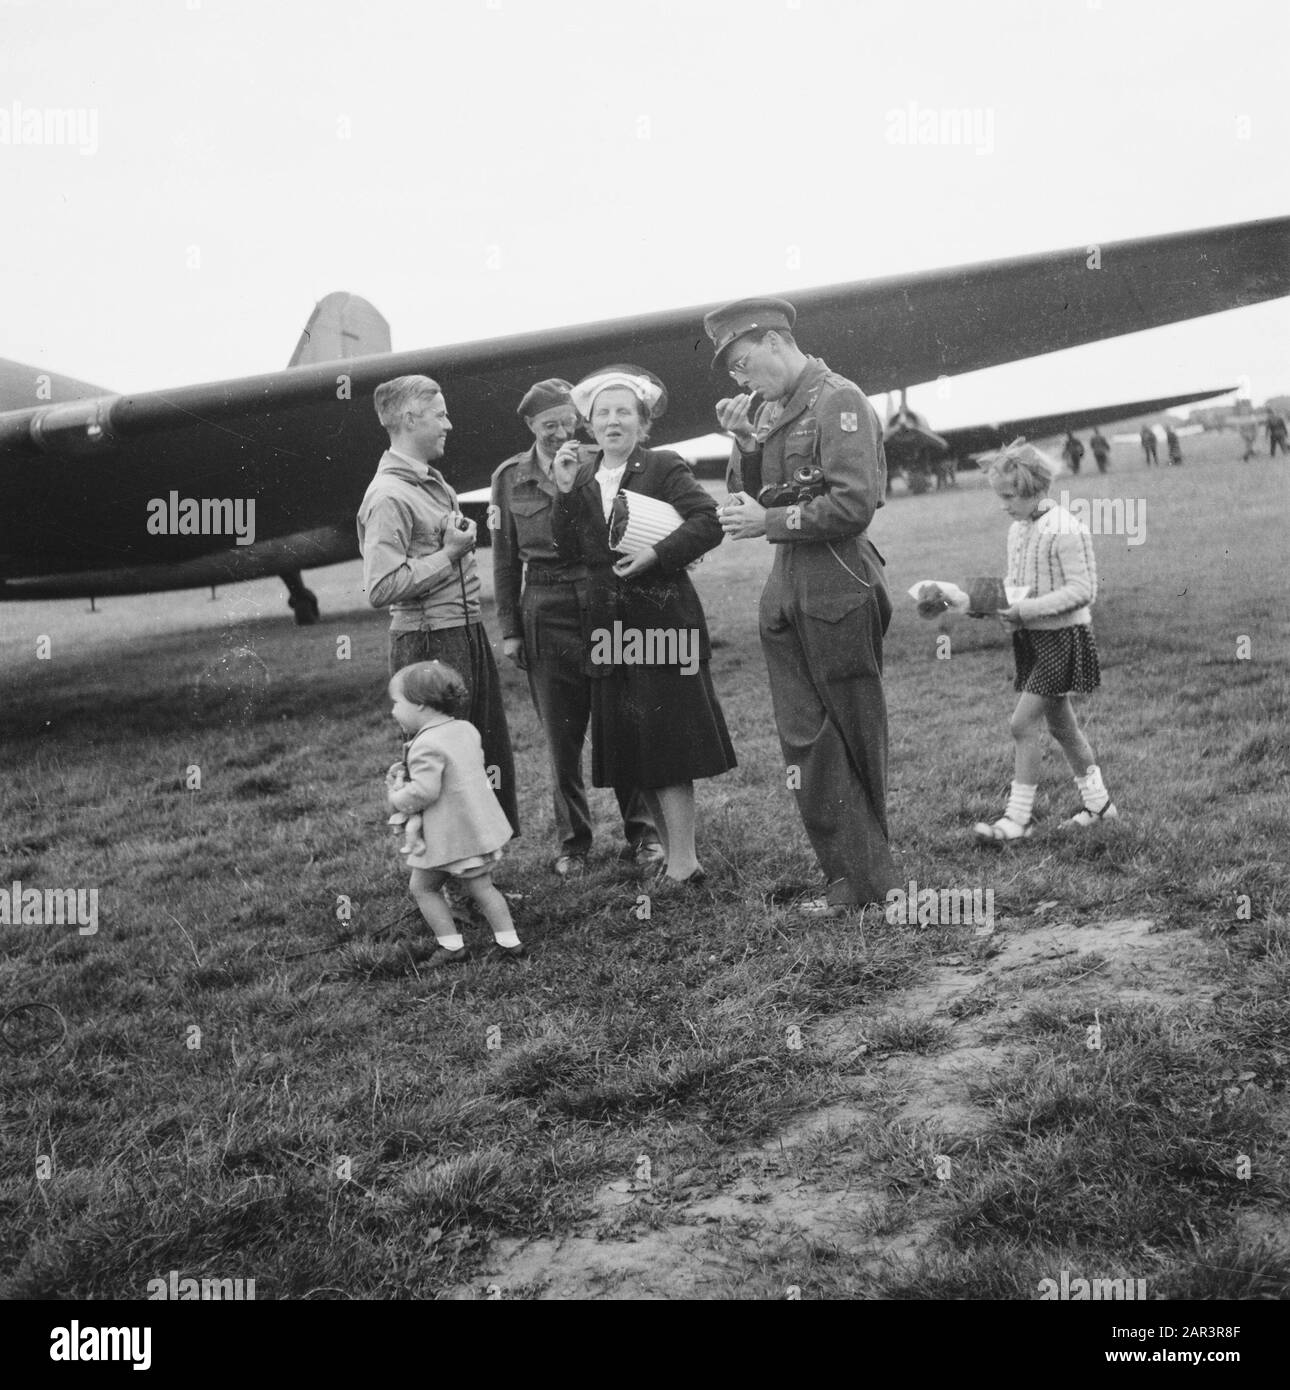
[{"x": 463, "y": 826}]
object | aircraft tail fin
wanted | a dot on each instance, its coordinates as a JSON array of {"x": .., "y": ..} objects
[
  {"x": 22, "y": 387},
  {"x": 341, "y": 325}
]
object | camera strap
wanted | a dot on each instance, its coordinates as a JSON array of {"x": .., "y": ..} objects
[{"x": 847, "y": 567}]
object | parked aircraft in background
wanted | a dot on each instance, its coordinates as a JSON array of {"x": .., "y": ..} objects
[
  {"x": 94, "y": 487},
  {"x": 923, "y": 457}
]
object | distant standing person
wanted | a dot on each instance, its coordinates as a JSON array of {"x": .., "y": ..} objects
[
  {"x": 1249, "y": 431},
  {"x": 825, "y": 608},
  {"x": 1276, "y": 433},
  {"x": 1072, "y": 452},
  {"x": 1148, "y": 437},
  {"x": 1101, "y": 447},
  {"x": 1173, "y": 445},
  {"x": 419, "y": 562},
  {"x": 1050, "y": 554},
  {"x": 541, "y": 599}
]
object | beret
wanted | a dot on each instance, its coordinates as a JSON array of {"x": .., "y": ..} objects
[{"x": 544, "y": 395}]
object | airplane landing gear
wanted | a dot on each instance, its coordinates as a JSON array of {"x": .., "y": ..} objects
[{"x": 302, "y": 602}]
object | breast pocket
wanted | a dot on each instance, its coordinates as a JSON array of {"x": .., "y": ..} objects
[
  {"x": 842, "y": 633},
  {"x": 532, "y": 520},
  {"x": 801, "y": 448}
]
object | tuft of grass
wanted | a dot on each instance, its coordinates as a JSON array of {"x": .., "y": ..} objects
[
  {"x": 897, "y": 1033},
  {"x": 1135, "y": 1144}
]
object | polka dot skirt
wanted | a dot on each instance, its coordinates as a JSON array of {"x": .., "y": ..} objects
[{"x": 1061, "y": 661}]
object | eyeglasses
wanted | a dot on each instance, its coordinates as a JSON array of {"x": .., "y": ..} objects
[{"x": 737, "y": 367}]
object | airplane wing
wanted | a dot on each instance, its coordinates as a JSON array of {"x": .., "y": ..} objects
[
  {"x": 76, "y": 479},
  {"x": 977, "y": 439}
]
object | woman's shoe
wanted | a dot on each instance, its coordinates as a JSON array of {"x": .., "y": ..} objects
[
  {"x": 664, "y": 883},
  {"x": 648, "y": 855},
  {"x": 510, "y": 952},
  {"x": 1083, "y": 818}
]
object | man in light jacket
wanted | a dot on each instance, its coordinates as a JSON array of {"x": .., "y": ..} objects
[{"x": 419, "y": 562}]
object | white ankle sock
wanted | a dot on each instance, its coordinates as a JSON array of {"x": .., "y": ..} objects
[
  {"x": 1092, "y": 789},
  {"x": 1021, "y": 801},
  {"x": 506, "y": 938},
  {"x": 450, "y": 943}
]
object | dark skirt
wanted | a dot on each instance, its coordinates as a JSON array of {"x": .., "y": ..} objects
[
  {"x": 1056, "y": 662},
  {"x": 653, "y": 726}
]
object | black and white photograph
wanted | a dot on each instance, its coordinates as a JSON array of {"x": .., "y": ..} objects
[{"x": 644, "y": 656}]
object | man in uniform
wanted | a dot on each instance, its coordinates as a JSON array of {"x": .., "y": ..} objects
[
  {"x": 825, "y": 606},
  {"x": 1276, "y": 426},
  {"x": 539, "y": 606},
  {"x": 1101, "y": 447},
  {"x": 1249, "y": 432},
  {"x": 1148, "y": 438},
  {"x": 419, "y": 562},
  {"x": 1174, "y": 447},
  {"x": 1072, "y": 451}
]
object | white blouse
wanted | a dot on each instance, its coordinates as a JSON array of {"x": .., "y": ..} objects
[{"x": 610, "y": 479}]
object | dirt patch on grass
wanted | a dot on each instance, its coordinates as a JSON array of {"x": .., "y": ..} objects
[{"x": 860, "y": 1174}]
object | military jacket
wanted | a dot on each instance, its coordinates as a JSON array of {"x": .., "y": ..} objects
[
  {"x": 523, "y": 499},
  {"x": 827, "y": 421}
]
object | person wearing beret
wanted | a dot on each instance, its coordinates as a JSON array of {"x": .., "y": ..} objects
[
  {"x": 540, "y": 599},
  {"x": 825, "y": 607},
  {"x": 656, "y": 722}
]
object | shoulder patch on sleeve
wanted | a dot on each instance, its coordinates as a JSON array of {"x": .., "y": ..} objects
[
  {"x": 502, "y": 467},
  {"x": 850, "y": 421}
]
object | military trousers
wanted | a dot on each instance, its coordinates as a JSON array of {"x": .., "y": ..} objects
[
  {"x": 467, "y": 650},
  {"x": 823, "y": 615},
  {"x": 551, "y": 616}
]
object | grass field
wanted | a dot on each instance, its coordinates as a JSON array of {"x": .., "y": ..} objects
[{"x": 258, "y": 1083}]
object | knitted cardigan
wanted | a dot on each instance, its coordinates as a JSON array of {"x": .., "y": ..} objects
[{"x": 1053, "y": 557}]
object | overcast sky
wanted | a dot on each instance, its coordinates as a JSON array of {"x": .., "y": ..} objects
[{"x": 476, "y": 167}]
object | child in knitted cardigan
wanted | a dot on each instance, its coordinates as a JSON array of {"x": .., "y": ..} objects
[{"x": 1050, "y": 553}]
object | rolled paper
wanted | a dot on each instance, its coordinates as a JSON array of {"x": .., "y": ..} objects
[{"x": 637, "y": 522}]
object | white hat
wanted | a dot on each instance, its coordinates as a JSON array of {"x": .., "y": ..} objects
[{"x": 585, "y": 392}]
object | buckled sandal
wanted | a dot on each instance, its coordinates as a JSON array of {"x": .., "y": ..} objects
[
  {"x": 1004, "y": 831},
  {"x": 1083, "y": 818},
  {"x": 442, "y": 957}
]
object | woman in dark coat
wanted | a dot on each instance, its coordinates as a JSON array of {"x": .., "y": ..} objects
[{"x": 655, "y": 719}]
